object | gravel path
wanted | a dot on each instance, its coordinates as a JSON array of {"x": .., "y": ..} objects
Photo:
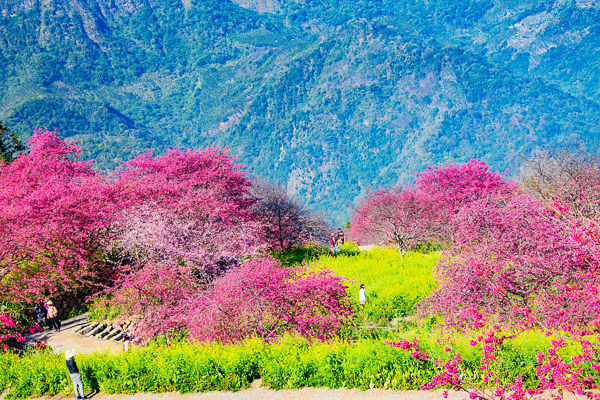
[{"x": 68, "y": 339}]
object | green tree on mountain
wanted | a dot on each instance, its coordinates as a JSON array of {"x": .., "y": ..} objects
[{"x": 9, "y": 143}]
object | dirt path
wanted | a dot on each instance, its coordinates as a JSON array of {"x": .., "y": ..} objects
[
  {"x": 68, "y": 339},
  {"x": 302, "y": 394},
  {"x": 266, "y": 394}
]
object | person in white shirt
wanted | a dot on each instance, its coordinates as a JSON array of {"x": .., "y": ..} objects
[{"x": 362, "y": 295}]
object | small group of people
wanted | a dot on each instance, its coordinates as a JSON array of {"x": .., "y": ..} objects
[
  {"x": 47, "y": 314},
  {"x": 337, "y": 240}
]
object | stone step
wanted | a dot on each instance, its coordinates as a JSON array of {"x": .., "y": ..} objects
[
  {"x": 82, "y": 327},
  {"x": 96, "y": 330},
  {"x": 113, "y": 334},
  {"x": 104, "y": 332},
  {"x": 89, "y": 328}
]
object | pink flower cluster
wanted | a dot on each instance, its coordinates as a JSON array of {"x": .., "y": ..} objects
[
  {"x": 9, "y": 331},
  {"x": 412, "y": 347},
  {"x": 264, "y": 299},
  {"x": 259, "y": 298},
  {"x": 423, "y": 211}
]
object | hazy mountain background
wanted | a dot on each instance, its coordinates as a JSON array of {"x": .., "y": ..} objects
[{"x": 328, "y": 97}]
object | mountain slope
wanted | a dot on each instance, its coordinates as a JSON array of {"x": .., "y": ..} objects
[{"x": 331, "y": 97}]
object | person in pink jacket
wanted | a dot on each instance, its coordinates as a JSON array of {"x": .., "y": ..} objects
[{"x": 53, "y": 317}]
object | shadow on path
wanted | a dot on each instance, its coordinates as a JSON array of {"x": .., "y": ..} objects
[{"x": 68, "y": 339}]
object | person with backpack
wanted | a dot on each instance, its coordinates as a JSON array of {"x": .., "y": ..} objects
[
  {"x": 339, "y": 238},
  {"x": 74, "y": 374}
]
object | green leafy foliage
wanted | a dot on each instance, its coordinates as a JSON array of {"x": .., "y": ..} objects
[
  {"x": 298, "y": 254},
  {"x": 9, "y": 144}
]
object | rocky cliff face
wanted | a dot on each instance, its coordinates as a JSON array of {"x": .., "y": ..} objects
[{"x": 259, "y": 5}]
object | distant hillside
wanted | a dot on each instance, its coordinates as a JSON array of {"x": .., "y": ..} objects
[{"x": 331, "y": 96}]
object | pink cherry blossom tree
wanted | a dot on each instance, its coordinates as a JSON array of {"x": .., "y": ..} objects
[
  {"x": 424, "y": 211},
  {"x": 265, "y": 299},
  {"x": 192, "y": 206},
  {"x": 284, "y": 222},
  {"x": 154, "y": 299},
  {"x": 516, "y": 265},
  {"x": 511, "y": 259},
  {"x": 403, "y": 218},
  {"x": 54, "y": 215},
  {"x": 454, "y": 186}
]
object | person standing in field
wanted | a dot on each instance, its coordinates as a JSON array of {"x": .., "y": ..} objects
[
  {"x": 362, "y": 295},
  {"x": 340, "y": 237},
  {"x": 53, "y": 317},
  {"x": 74, "y": 374}
]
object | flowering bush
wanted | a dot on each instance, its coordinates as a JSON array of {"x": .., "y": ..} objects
[
  {"x": 518, "y": 261},
  {"x": 263, "y": 298},
  {"x": 11, "y": 332},
  {"x": 154, "y": 298},
  {"x": 289, "y": 363},
  {"x": 54, "y": 211},
  {"x": 516, "y": 265}
]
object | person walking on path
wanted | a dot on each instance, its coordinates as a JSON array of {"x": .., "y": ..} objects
[
  {"x": 74, "y": 374},
  {"x": 362, "y": 295},
  {"x": 41, "y": 315},
  {"x": 53, "y": 317}
]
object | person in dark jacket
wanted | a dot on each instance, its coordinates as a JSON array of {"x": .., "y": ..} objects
[
  {"x": 41, "y": 315},
  {"x": 74, "y": 373},
  {"x": 340, "y": 236}
]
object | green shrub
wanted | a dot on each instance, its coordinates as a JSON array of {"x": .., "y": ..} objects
[
  {"x": 101, "y": 309},
  {"x": 298, "y": 254},
  {"x": 34, "y": 375},
  {"x": 183, "y": 367},
  {"x": 286, "y": 364}
]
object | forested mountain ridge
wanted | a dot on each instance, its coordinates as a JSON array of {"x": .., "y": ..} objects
[{"x": 331, "y": 96}]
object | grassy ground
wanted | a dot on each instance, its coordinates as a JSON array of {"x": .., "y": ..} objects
[{"x": 394, "y": 283}]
